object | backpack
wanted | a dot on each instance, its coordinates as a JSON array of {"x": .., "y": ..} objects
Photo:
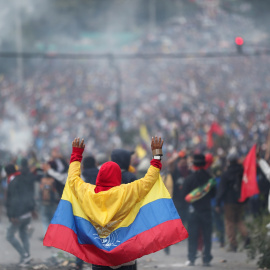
[
  {"x": 47, "y": 190},
  {"x": 235, "y": 184}
]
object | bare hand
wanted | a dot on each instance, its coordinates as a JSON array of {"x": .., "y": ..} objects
[
  {"x": 76, "y": 143},
  {"x": 156, "y": 143}
]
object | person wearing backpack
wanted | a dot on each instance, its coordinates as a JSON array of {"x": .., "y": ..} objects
[{"x": 229, "y": 191}]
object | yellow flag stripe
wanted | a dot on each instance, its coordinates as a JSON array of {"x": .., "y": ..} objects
[{"x": 158, "y": 191}]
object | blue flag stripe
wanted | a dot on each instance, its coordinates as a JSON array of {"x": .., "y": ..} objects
[{"x": 149, "y": 216}]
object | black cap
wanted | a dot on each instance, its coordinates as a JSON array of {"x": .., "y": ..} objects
[{"x": 199, "y": 160}]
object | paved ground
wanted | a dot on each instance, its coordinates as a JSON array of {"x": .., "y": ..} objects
[{"x": 177, "y": 258}]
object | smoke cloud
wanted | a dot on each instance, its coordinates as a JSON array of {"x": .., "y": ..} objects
[{"x": 15, "y": 132}]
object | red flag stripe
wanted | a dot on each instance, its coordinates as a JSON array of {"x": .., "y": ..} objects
[{"x": 129, "y": 249}]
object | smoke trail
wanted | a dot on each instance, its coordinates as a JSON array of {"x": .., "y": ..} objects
[{"x": 15, "y": 132}]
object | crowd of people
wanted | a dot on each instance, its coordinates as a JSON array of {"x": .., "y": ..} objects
[
  {"x": 204, "y": 188},
  {"x": 183, "y": 107}
]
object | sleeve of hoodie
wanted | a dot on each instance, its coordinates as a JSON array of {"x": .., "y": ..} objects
[
  {"x": 74, "y": 173},
  {"x": 141, "y": 187}
]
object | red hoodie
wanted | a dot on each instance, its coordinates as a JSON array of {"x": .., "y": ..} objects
[{"x": 109, "y": 176}]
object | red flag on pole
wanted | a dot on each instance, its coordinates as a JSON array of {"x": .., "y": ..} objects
[
  {"x": 249, "y": 186},
  {"x": 215, "y": 128},
  {"x": 210, "y": 142}
]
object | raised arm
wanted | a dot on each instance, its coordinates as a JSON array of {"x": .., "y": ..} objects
[
  {"x": 74, "y": 172},
  {"x": 142, "y": 186}
]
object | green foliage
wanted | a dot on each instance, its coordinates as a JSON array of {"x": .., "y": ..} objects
[{"x": 259, "y": 247}]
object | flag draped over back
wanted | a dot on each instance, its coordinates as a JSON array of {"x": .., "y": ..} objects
[
  {"x": 199, "y": 192},
  {"x": 249, "y": 186},
  {"x": 147, "y": 226}
]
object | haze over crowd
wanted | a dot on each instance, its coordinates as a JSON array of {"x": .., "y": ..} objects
[{"x": 45, "y": 103}]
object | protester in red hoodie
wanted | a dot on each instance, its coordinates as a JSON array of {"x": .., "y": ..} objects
[{"x": 109, "y": 176}]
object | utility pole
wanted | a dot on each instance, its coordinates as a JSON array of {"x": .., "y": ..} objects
[
  {"x": 239, "y": 41},
  {"x": 152, "y": 15},
  {"x": 19, "y": 43},
  {"x": 119, "y": 94}
]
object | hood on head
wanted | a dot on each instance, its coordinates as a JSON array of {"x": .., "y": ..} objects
[
  {"x": 24, "y": 163},
  {"x": 90, "y": 175},
  {"x": 10, "y": 169},
  {"x": 109, "y": 176},
  {"x": 89, "y": 162},
  {"x": 122, "y": 158}
]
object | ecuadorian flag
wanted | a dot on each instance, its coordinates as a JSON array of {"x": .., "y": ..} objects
[{"x": 115, "y": 226}]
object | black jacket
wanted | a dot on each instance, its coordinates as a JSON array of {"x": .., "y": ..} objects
[
  {"x": 229, "y": 189},
  {"x": 179, "y": 179},
  {"x": 90, "y": 175},
  {"x": 31, "y": 176},
  {"x": 122, "y": 158},
  {"x": 20, "y": 196},
  {"x": 195, "y": 180},
  {"x": 128, "y": 177}
]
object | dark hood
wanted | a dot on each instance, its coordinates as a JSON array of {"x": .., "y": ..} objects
[
  {"x": 89, "y": 162},
  {"x": 122, "y": 158},
  {"x": 90, "y": 175}
]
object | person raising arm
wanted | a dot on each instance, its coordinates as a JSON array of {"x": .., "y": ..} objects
[{"x": 113, "y": 224}]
